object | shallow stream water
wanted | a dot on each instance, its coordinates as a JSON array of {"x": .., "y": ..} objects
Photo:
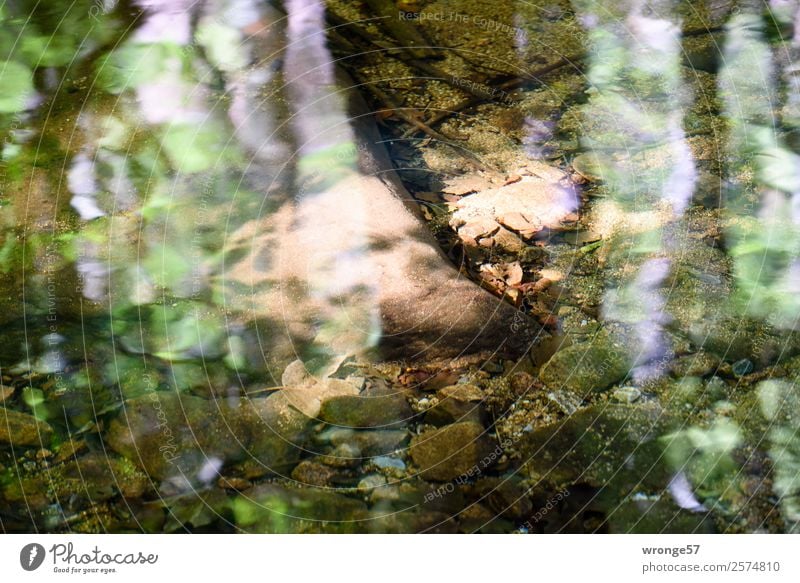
[{"x": 211, "y": 323}]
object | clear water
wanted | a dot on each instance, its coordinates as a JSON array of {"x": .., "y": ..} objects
[{"x": 193, "y": 320}]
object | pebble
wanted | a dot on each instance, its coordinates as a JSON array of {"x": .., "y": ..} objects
[
  {"x": 386, "y": 462},
  {"x": 345, "y": 455},
  {"x": 313, "y": 473},
  {"x": 627, "y": 394},
  {"x": 374, "y": 442},
  {"x": 742, "y": 367},
  {"x": 457, "y": 403},
  {"x": 370, "y": 483}
]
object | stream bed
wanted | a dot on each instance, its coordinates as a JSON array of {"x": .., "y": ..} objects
[{"x": 209, "y": 323}]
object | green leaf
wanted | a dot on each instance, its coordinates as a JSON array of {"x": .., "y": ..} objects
[
  {"x": 166, "y": 266},
  {"x": 223, "y": 45},
  {"x": 47, "y": 51},
  {"x": 779, "y": 168},
  {"x": 16, "y": 81},
  {"x": 189, "y": 148}
]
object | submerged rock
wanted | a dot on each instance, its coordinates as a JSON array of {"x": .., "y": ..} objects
[
  {"x": 585, "y": 367},
  {"x": 365, "y": 411},
  {"x": 274, "y": 508},
  {"x": 312, "y": 473},
  {"x": 461, "y": 449},
  {"x": 94, "y": 477},
  {"x": 654, "y": 516},
  {"x": 171, "y": 435},
  {"x": 373, "y": 442},
  {"x": 608, "y": 446},
  {"x": 21, "y": 429},
  {"x": 457, "y": 403}
]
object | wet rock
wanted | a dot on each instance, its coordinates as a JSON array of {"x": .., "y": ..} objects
[
  {"x": 275, "y": 509},
  {"x": 309, "y": 398},
  {"x": 627, "y": 394},
  {"x": 345, "y": 455},
  {"x": 467, "y": 184},
  {"x": 366, "y": 411},
  {"x": 508, "y": 241},
  {"x": 716, "y": 389},
  {"x": 478, "y": 228},
  {"x": 312, "y": 473},
  {"x": 580, "y": 238},
  {"x": 171, "y": 435},
  {"x": 588, "y": 166},
  {"x": 585, "y": 367},
  {"x": 392, "y": 464},
  {"x": 506, "y": 497},
  {"x": 368, "y": 484},
  {"x": 606, "y": 446},
  {"x": 452, "y": 451},
  {"x": 415, "y": 521},
  {"x": 307, "y": 393},
  {"x": 655, "y": 515},
  {"x": 21, "y": 429},
  {"x": 373, "y": 442},
  {"x": 742, "y": 367},
  {"x": 99, "y": 476},
  {"x": 701, "y": 364},
  {"x": 565, "y": 400},
  {"x": 457, "y": 403},
  {"x": 195, "y": 509},
  {"x": 479, "y": 518},
  {"x": 272, "y": 431},
  {"x": 296, "y": 374},
  {"x": 234, "y": 483},
  {"x": 94, "y": 477}
]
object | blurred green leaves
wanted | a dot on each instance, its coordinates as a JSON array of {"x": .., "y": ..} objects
[
  {"x": 705, "y": 455},
  {"x": 134, "y": 64},
  {"x": 780, "y": 404},
  {"x": 16, "y": 81}
]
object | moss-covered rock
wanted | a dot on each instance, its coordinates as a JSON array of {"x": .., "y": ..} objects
[
  {"x": 274, "y": 508},
  {"x": 20, "y": 429},
  {"x": 613, "y": 447},
  {"x": 586, "y": 367},
  {"x": 365, "y": 411},
  {"x": 171, "y": 435},
  {"x": 458, "y": 450}
]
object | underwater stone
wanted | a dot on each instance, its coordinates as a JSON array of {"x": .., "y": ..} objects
[
  {"x": 22, "y": 429},
  {"x": 585, "y": 367},
  {"x": 742, "y": 367},
  {"x": 457, "y": 450}
]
